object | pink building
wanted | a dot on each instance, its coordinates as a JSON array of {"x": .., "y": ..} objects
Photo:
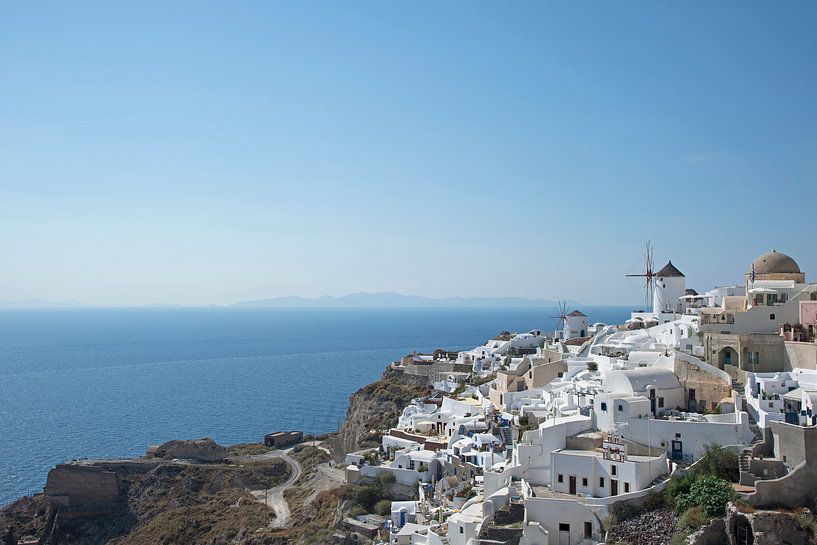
[{"x": 808, "y": 317}]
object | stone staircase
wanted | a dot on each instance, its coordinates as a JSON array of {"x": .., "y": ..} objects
[
  {"x": 745, "y": 456},
  {"x": 510, "y": 514},
  {"x": 746, "y": 478},
  {"x": 756, "y": 431},
  {"x": 507, "y": 435}
]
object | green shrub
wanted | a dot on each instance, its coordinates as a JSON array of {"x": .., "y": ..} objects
[
  {"x": 711, "y": 494},
  {"x": 719, "y": 462},
  {"x": 350, "y": 491},
  {"x": 357, "y": 510},
  {"x": 693, "y": 519},
  {"x": 383, "y": 508},
  {"x": 371, "y": 458},
  {"x": 678, "y": 488}
]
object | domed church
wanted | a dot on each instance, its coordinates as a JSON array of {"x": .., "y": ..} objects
[{"x": 774, "y": 266}]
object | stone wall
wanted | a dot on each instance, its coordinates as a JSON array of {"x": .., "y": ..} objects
[
  {"x": 713, "y": 533},
  {"x": 764, "y": 528},
  {"x": 437, "y": 371},
  {"x": 76, "y": 485}
]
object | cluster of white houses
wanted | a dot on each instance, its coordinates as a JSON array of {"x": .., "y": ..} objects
[{"x": 534, "y": 437}]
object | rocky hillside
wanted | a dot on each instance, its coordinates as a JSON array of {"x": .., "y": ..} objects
[
  {"x": 146, "y": 500},
  {"x": 374, "y": 407},
  {"x": 198, "y": 493}
]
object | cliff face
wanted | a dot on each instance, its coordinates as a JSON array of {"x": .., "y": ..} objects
[
  {"x": 374, "y": 407},
  {"x": 120, "y": 502},
  {"x": 189, "y": 492}
]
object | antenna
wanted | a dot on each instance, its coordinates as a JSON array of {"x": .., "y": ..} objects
[{"x": 648, "y": 274}]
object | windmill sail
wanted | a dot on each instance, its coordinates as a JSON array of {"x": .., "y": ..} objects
[{"x": 648, "y": 274}]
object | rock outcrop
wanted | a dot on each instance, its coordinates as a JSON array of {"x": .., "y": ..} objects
[
  {"x": 78, "y": 485},
  {"x": 374, "y": 407},
  {"x": 145, "y": 501},
  {"x": 200, "y": 450}
]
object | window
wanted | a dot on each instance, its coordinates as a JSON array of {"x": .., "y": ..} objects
[
  {"x": 601, "y": 482},
  {"x": 626, "y": 488},
  {"x": 560, "y": 478},
  {"x": 660, "y": 401},
  {"x": 604, "y": 407},
  {"x": 692, "y": 393},
  {"x": 677, "y": 435},
  {"x": 564, "y": 527},
  {"x": 613, "y": 470},
  {"x": 588, "y": 530},
  {"x": 771, "y": 316},
  {"x": 621, "y": 407},
  {"x": 584, "y": 481},
  {"x": 462, "y": 530}
]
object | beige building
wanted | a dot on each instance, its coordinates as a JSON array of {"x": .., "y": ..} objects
[
  {"x": 703, "y": 390},
  {"x": 534, "y": 371},
  {"x": 743, "y": 334}
]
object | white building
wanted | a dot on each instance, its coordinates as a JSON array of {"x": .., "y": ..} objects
[
  {"x": 670, "y": 287},
  {"x": 575, "y": 326}
]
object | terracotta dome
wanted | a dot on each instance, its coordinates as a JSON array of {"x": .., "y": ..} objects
[{"x": 774, "y": 263}]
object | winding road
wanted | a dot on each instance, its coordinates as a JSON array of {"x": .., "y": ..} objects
[{"x": 274, "y": 497}]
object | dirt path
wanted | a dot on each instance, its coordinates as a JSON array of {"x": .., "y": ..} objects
[{"x": 274, "y": 497}]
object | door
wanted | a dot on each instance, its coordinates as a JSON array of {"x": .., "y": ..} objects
[
  {"x": 572, "y": 484},
  {"x": 564, "y": 534},
  {"x": 677, "y": 450},
  {"x": 614, "y": 487}
]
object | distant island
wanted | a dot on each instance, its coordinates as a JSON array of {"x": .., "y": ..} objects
[
  {"x": 351, "y": 300},
  {"x": 389, "y": 299}
]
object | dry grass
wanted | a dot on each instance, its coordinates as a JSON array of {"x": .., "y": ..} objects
[{"x": 247, "y": 449}]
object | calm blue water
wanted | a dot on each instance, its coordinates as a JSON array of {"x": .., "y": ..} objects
[{"x": 107, "y": 383}]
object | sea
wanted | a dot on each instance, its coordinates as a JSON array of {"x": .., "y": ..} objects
[{"x": 107, "y": 383}]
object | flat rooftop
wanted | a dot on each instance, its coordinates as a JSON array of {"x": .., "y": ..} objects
[{"x": 599, "y": 453}]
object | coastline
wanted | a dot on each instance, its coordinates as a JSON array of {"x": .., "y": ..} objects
[{"x": 93, "y": 499}]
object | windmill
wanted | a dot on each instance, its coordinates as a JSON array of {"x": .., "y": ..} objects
[
  {"x": 648, "y": 274},
  {"x": 561, "y": 313}
]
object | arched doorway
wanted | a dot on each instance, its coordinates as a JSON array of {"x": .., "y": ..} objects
[{"x": 727, "y": 356}]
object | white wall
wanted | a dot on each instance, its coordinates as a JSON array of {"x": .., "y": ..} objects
[
  {"x": 693, "y": 435},
  {"x": 668, "y": 290},
  {"x": 549, "y": 513},
  {"x": 532, "y": 454}
]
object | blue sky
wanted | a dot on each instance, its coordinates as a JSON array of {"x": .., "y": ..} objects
[{"x": 210, "y": 152}]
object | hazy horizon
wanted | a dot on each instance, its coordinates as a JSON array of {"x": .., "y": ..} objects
[
  {"x": 349, "y": 300},
  {"x": 197, "y": 153}
]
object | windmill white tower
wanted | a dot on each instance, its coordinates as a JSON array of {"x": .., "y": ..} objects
[{"x": 670, "y": 286}]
